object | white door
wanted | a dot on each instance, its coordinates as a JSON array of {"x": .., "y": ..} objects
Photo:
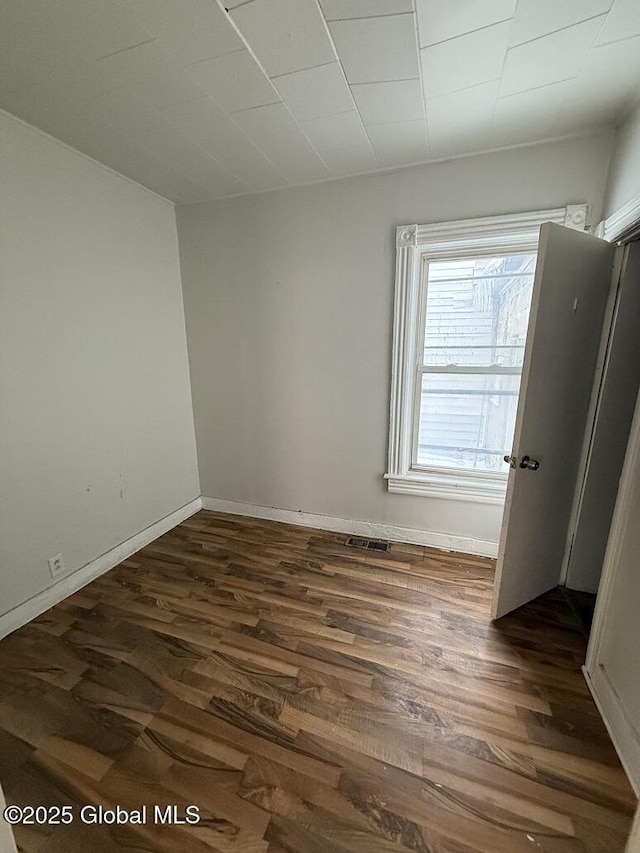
[{"x": 571, "y": 286}]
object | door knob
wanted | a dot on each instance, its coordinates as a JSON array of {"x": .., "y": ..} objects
[
  {"x": 528, "y": 462},
  {"x": 510, "y": 460}
]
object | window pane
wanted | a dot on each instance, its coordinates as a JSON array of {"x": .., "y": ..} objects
[
  {"x": 467, "y": 420},
  {"x": 477, "y": 310}
]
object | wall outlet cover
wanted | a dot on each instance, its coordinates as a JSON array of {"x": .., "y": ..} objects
[{"x": 56, "y": 565}]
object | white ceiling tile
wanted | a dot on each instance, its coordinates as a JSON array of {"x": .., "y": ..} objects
[
  {"x": 609, "y": 78},
  {"x": 348, "y": 161},
  {"x": 399, "y": 142},
  {"x": 150, "y": 128},
  {"x": 285, "y": 35},
  {"x": 464, "y": 61},
  {"x": 235, "y": 81},
  {"x": 276, "y": 133},
  {"x": 439, "y": 20},
  {"x": 534, "y": 114},
  {"x": 80, "y": 82},
  {"x": 149, "y": 73},
  {"x": 315, "y": 92},
  {"x": 333, "y": 133},
  {"x": 549, "y": 59},
  {"x": 466, "y": 140},
  {"x": 208, "y": 126},
  {"x": 623, "y": 21},
  {"x": 336, "y": 10},
  {"x": 535, "y": 18},
  {"x": 21, "y": 67},
  {"x": 461, "y": 119},
  {"x": 17, "y": 18},
  {"x": 56, "y": 39},
  {"x": 134, "y": 119},
  {"x": 373, "y": 50},
  {"x": 140, "y": 112},
  {"x": 400, "y": 100},
  {"x": 93, "y": 29},
  {"x": 190, "y": 29}
]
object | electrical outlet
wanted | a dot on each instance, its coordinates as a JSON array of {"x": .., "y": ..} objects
[{"x": 56, "y": 565}]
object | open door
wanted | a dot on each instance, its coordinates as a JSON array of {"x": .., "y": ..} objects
[{"x": 573, "y": 276}]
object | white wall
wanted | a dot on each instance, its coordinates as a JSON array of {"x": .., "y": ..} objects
[
  {"x": 624, "y": 173},
  {"x": 288, "y": 297},
  {"x": 96, "y": 422}
]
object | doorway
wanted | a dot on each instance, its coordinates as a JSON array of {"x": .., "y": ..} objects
[
  {"x": 571, "y": 431},
  {"x": 606, "y": 438}
]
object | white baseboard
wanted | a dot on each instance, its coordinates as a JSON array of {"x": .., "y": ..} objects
[
  {"x": 620, "y": 730},
  {"x": 444, "y": 541},
  {"x": 41, "y": 602}
]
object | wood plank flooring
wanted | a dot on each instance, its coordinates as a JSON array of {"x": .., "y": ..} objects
[{"x": 307, "y": 697}]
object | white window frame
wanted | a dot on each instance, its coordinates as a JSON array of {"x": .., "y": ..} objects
[{"x": 415, "y": 244}]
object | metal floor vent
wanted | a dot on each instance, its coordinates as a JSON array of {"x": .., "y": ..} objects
[{"x": 369, "y": 544}]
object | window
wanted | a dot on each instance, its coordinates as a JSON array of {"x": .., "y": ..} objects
[{"x": 463, "y": 293}]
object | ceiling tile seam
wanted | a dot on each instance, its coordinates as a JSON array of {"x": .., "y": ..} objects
[
  {"x": 206, "y": 95},
  {"x": 498, "y": 79},
  {"x": 330, "y": 115},
  {"x": 302, "y": 70},
  {"x": 261, "y": 67},
  {"x": 346, "y": 81},
  {"x": 614, "y": 41},
  {"x": 370, "y": 17},
  {"x": 237, "y": 6},
  {"x": 125, "y": 49},
  {"x": 560, "y": 30},
  {"x": 445, "y": 159},
  {"x": 587, "y": 52},
  {"x": 160, "y": 39},
  {"x": 422, "y": 86},
  {"x": 144, "y": 148},
  {"x": 209, "y": 58},
  {"x": 276, "y": 94},
  {"x": 248, "y": 109},
  {"x": 398, "y": 121},
  {"x": 251, "y": 142},
  {"x": 535, "y": 88},
  {"x": 464, "y": 89},
  {"x": 389, "y": 80},
  {"x": 166, "y": 119},
  {"x": 416, "y": 32},
  {"x": 258, "y": 150},
  {"x": 468, "y": 33}
]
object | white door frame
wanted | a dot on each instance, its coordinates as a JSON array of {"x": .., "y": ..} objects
[
  {"x": 592, "y": 414},
  {"x": 619, "y": 727},
  {"x": 622, "y": 226}
]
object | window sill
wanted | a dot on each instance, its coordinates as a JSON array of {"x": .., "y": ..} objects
[{"x": 466, "y": 487}]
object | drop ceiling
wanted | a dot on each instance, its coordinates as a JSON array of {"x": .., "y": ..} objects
[{"x": 197, "y": 101}]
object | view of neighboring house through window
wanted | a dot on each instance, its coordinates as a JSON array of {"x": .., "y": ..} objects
[{"x": 476, "y": 312}]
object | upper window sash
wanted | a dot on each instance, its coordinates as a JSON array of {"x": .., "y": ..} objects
[{"x": 414, "y": 244}]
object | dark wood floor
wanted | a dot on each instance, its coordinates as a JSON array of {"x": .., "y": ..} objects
[{"x": 307, "y": 697}]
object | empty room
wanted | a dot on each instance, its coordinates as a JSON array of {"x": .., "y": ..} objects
[{"x": 319, "y": 426}]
